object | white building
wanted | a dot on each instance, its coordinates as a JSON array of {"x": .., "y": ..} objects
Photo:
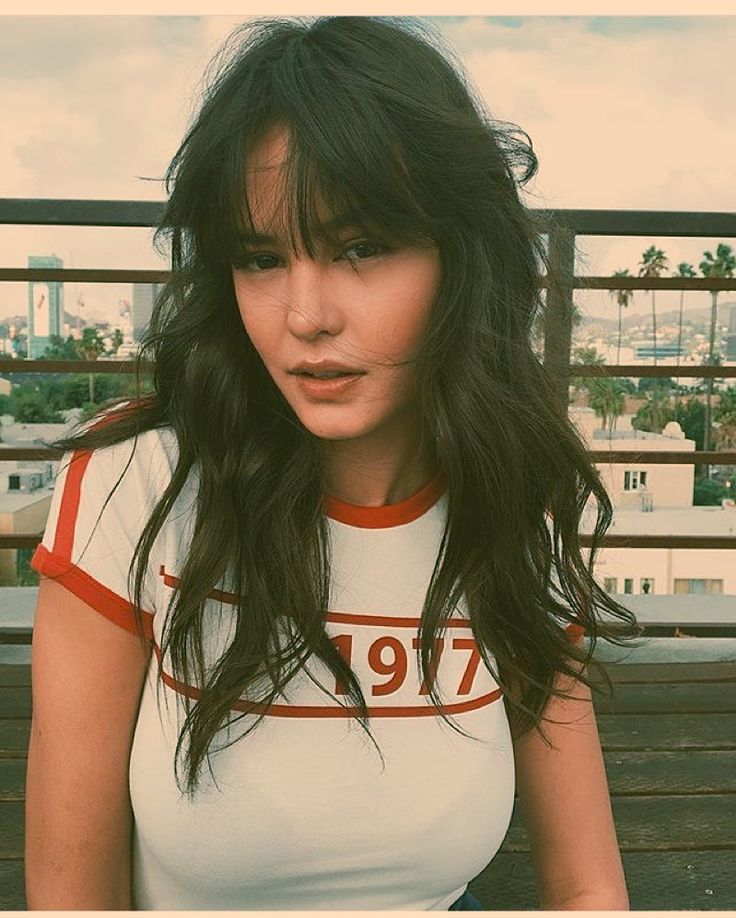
[{"x": 655, "y": 499}]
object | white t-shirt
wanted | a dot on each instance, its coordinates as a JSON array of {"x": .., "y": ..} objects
[{"x": 304, "y": 815}]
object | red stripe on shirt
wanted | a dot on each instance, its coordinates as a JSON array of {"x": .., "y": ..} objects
[
  {"x": 103, "y": 600},
  {"x": 333, "y": 711},
  {"x": 69, "y": 506}
]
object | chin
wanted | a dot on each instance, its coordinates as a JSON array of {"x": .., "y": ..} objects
[{"x": 344, "y": 428}]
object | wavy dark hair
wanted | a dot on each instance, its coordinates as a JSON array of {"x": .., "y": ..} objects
[{"x": 383, "y": 123}]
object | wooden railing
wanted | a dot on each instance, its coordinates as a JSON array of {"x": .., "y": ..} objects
[{"x": 562, "y": 227}]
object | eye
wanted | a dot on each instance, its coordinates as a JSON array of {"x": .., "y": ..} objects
[
  {"x": 363, "y": 249},
  {"x": 256, "y": 261}
]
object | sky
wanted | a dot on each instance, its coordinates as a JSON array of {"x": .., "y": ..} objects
[{"x": 625, "y": 112}]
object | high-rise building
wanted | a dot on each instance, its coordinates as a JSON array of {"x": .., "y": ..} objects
[
  {"x": 144, "y": 296},
  {"x": 45, "y": 306}
]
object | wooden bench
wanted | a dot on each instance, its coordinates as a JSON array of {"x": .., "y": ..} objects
[{"x": 669, "y": 742}]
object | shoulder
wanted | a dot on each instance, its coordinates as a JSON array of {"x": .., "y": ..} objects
[{"x": 141, "y": 465}]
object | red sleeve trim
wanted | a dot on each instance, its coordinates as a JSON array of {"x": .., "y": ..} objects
[
  {"x": 103, "y": 600},
  {"x": 575, "y": 632}
]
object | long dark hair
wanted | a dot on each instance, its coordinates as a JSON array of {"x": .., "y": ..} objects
[{"x": 381, "y": 123}]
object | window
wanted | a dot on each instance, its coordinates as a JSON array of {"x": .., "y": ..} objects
[
  {"x": 610, "y": 584},
  {"x": 647, "y": 584},
  {"x": 695, "y": 585},
  {"x": 635, "y": 480},
  {"x": 628, "y": 585},
  {"x": 13, "y": 482}
]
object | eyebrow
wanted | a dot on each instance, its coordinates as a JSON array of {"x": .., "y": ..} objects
[{"x": 325, "y": 229}]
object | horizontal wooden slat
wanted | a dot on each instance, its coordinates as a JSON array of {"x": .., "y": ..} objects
[
  {"x": 85, "y": 275},
  {"x": 68, "y": 366},
  {"x": 584, "y": 221},
  {"x": 637, "y": 698},
  {"x": 12, "y": 779},
  {"x": 662, "y": 457},
  {"x": 20, "y": 540},
  {"x": 666, "y": 672},
  {"x": 704, "y": 543},
  {"x": 637, "y": 370},
  {"x": 629, "y": 773},
  {"x": 11, "y": 829},
  {"x": 667, "y": 731},
  {"x": 12, "y": 883},
  {"x": 654, "y": 283},
  {"x": 588, "y": 222},
  {"x": 605, "y": 456},
  {"x": 659, "y": 823},
  {"x": 15, "y": 701},
  {"x": 14, "y": 737},
  {"x": 79, "y": 212},
  {"x": 657, "y": 881},
  {"x": 689, "y": 772},
  {"x": 159, "y": 276}
]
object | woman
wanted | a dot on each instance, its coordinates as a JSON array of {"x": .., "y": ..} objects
[{"x": 324, "y": 551}]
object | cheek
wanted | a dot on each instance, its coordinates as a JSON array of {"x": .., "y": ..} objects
[
  {"x": 407, "y": 314},
  {"x": 257, "y": 322}
]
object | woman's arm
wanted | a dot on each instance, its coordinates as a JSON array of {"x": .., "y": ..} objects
[
  {"x": 567, "y": 809},
  {"x": 87, "y": 680}
]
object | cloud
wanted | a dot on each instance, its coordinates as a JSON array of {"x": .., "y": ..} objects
[
  {"x": 620, "y": 119},
  {"x": 625, "y": 113}
]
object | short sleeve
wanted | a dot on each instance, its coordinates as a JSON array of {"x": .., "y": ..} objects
[{"x": 101, "y": 502}]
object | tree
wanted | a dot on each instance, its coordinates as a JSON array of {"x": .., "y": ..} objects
[
  {"x": 691, "y": 417},
  {"x": 116, "y": 339},
  {"x": 89, "y": 347},
  {"x": 588, "y": 356},
  {"x": 647, "y": 383},
  {"x": 623, "y": 298},
  {"x": 655, "y": 413},
  {"x": 30, "y": 407},
  {"x": 722, "y": 265},
  {"x": 653, "y": 263},
  {"x": 607, "y": 399},
  {"x": 725, "y": 434},
  {"x": 708, "y": 492},
  {"x": 684, "y": 269},
  {"x": 59, "y": 349}
]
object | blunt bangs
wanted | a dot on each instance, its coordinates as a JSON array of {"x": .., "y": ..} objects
[{"x": 358, "y": 143}]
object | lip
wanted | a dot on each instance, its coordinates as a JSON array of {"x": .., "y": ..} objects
[
  {"x": 325, "y": 389},
  {"x": 324, "y": 366}
]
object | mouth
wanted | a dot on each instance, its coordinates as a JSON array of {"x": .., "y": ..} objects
[
  {"x": 325, "y": 370},
  {"x": 327, "y": 382}
]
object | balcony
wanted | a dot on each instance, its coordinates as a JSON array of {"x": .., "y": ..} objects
[{"x": 669, "y": 733}]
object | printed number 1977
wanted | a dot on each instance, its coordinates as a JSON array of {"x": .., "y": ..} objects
[{"x": 388, "y": 657}]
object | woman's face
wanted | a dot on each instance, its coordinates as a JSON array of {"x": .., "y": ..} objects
[{"x": 358, "y": 308}]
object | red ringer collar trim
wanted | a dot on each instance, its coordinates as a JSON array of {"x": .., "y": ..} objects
[{"x": 390, "y": 514}]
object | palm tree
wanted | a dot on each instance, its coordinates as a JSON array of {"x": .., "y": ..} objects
[
  {"x": 684, "y": 269},
  {"x": 623, "y": 298},
  {"x": 653, "y": 263},
  {"x": 89, "y": 347},
  {"x": 607, "y": 397},
  {"x": 589, "y": 356},
  {"x": 722, "y": 265}
]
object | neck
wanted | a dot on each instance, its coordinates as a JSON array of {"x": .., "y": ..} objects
[{"x": 371, "y": 474}]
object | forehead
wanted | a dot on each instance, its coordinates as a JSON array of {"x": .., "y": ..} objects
[{"x": 265, "y": 176}]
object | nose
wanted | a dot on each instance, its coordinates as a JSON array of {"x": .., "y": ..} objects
[{"x": 312, "y": 303}]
